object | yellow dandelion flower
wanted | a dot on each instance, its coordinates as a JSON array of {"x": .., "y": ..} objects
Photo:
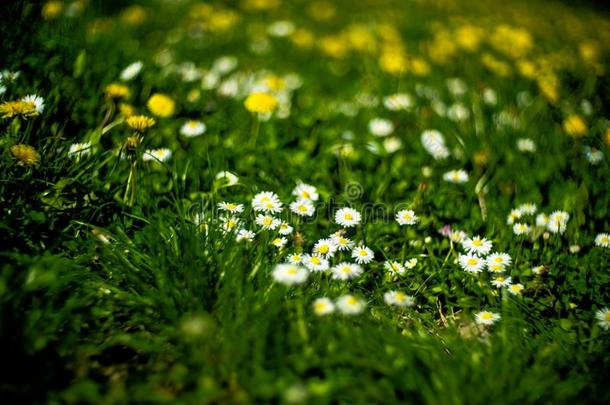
[
  {"x": 575, "y": 126},
  {"x": 334, "y": 46},
  {"x": 222, "y": 20},
  {"x": 526, "y": 69},
  {"x": 262, "y": 103},
  {"x": 419, "y": 67},
  {"x": 261, "y": 4},
  {"x": 134, "y": 15},
  {"x": 140, "y": 123},
  {"x": 549, "y": 87},
  {"x": 607, "y": 138},
  {"x": 25, "y": 154},
  {"x": 393, "y": 61},
  {"x": 21, "y": 108},
  {"x": 161, "y": 105},
  {"x": 274, "y": 82},
  {"x": 303, "y": 38},
  {"x": 117, "y": 90},
  {"x": 322, "y": 11},
  {"x": 126, "y": 110},
  {"x": 52, "y": 9},
  {"x": 469, "y": 37}
]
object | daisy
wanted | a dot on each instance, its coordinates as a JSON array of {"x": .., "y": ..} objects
[
  {"x": 497, "y": 262},
  {"x": 244, "y": 234},
  {"x": 279, "y": 242},
  {"x": 456, "y": 176},
  {"x": 323, "y": 306},
  {"x": 558, "y": 222},
  {"x": 603, "y": 240},
  {"x": 528, "y": 208},
  {"x": 231, "y": 207},
  {"x": 406, "y": 217},
  {"x": 306, "y": 192},
  {"x": 341, "y": 242},
  {"x": 303, "y": 208},
  {"x": 157, "y": 155},
  {"x": 381, "y": 127},
  {"x": 295, "y": 258},
  {"x": 315, "y": 263},
  {"x": 394, "y": 267},
  {"x": 36, "y": 100},
  {"x": 229, "y": 224},
  {"x": 542, "y": 220},
  {"x": 434, "y": 143},
  {"x": 346, "y": 271},
  {"x": 477, "y": 245},
  {"x": 514, "y": 215},
  {"x": 471, "y": 263},
  {"x": 501, "y": 281},
  {"x": 267, "y": 222},
  {"x": 540, "y": 270},
  {"x": 285, "y": 229},
  {"x": 398, "y": 298},
  {"x": 411, "y": 263},
  {"x": 603, "y": 318},
  {"x": 192, "y": 128},
  {"x": 290, "y": 274},
  {"x": 521, "y": 228},
  {"x": 486, "y": 318},
  {"x": 347, "y": 217},
  {"x": 131, "y": 71},
  {"x": 350, "y": 305},
  {"x": 362, "y": 254},
  {"x": 325, "y": 248},
  {"x": 267, "y": 201},
  {"x": 78, "y": 150},
  {"x": 398, "y": 101},
  {"x": 515, "y": 289},
  {"x": 392, "y": 144},
  {"x": 526, "y": 145}
]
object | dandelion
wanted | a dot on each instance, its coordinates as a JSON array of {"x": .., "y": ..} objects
[
  {"x": 36, "y": 100},
  {"x": 158, "y": 155},
  {"x": 323, "y": 306},
  {"x": 346, "y": 271},
  {"x": 603, "y": 318},
  {"x": 279, "y": 242},
  {"x": 575, "y": 126},
  {"x": 302, "y": 208},
  {"x": 267, "y": 222},
  {"x": 306, "y": 192},
  {"x": 78, "y": 150},
  {"x": 231, "y": 207},
  {"x": 140, "y": 123},
  {"x": 19, "y": 108},
  {"x": 406, "y": 217},
  {"x": 515, "y": 289},
  {"x": 381, "y": 127},
  {"x": 315, "y": 263},
  {"x": 325, "y": 248},
  {"x": 521, "y": 228},
  {"x": 497, "y": 262},
  {"x": 602, "y": 240},
  {"x": 285, "y": 229},
  {"x": 526, "y": 145},
  {"x": 295, "y": 258},
  {"x": 117, "y": 91},
  {"x": 456, "y": 176},
  {"x": 347, "y": 217},
  {"x": 486, "y": 318},
  {"x": 161, "y": 105},
  {"x": 290, "y": 274},
  {"x": 434, "y": 143},
  {"x": 394, "y": 267},
  {"x": 398, "y": 298},
  {"x": 362, "y": 255},
  {"x": 501, "y": 281},
  {"x": 131, "y": 71},
  {"x": 350, "y": 305},
  {"x": 245, "y": 235},
  {"x": 267, "y": 201},
  {"x": 261, "y": 103},
  {"x": 192, "y": 128},
  {"x": 471, "y": 263},
  {"x": 477, "y": 245},
  {"x": 26, "y": 155}
]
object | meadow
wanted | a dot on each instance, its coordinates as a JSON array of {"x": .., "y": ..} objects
[{"x": 326, "y": 201}]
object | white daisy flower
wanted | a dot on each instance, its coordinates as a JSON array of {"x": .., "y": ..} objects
[
  {"x": 315, "y": 263},
  {"x": 515, "y": 289},
  {"x": 528, "y": 208},
  {"x": 229, "y": 224},
  {"x": 325, "y": 247},
  {"x": 498, "y": 262},
  {"x": 540, "y": 270},
  {"x": 456, "y": 176},
  {"x": 521, "y": 229},
  {"x": 398, "y": 101},
  {"x": 490, "y": 97},
  {"x": 486, "y": 318},
  {"x": 411, "y": 263},
  {"x": 267, "y": 222},
  {"x": 594, "y": 156},
  {"x": 542, "y": 220},
  {"x": 290, "y": 274},
  {"x": 295, "y": 258},
  {"x": 603, "y": 318},
  {"x": 244, "y": 234},
  {"x": 477, "y": 245},
  {"x": 392, "y": 144},
  {"x": 192, "y": 128},
  {"x": 231, "y": 207},
  {"x": 285, "y": 229},
  {"x": 526, "y": 145},
  {"x": 394, "y": 267},
  {"x": 457, "y": 86},
  {"x": 280, "y": 28},
  {"x": 36, "y": 100},
  {"x": 434, "y": 143},
  {"x": 306, "y": 192},
  {"x": 471, "y": 263},
  {"x": 381, "y": 127},
  {"x": 224, "y": 64},
  {"x": 501, "y": 281},
  {"x": 157, "y": 155},
  {"x": 346, "y": 271},
  {"x": 362, "y": 255},
  {"x": 347, "y": 217},
  {"x": 230, "y": 178},
  {"x": 279, "y": 242},
  {"x": 341, "y": 242},
  {"x": 458, "y": 112},
  {"x": 514, "y": 215},
  {"x": 406, "y": 217},
  {"x": 131, "y": 71},
  {"x": 267, "y": 201},
  {"x": 558, "y": 221},
  {"x": 302, "y": 207},
  {"x": 602, "y": 240},
  {"x": 398, "y": 298},
  {"x": 78, "y": 150},
  {"x": 350, "y": 305},
  {"x": 323, "y": 306}
]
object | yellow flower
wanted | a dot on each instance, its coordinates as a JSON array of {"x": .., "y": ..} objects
[
  {"x": 302, "y": 38},
  {"x": 161, "y": 105},
  {"x": 607, "y": 138},
  {"x": 117, "y": 90},
  {"x": 575, "y": 126},
  {"x": 134, "y": 15},
  {"x": 469, "y": 37},
  {"x": 420, "y": 67},
  {"x": 393, "y": 61},
  {"x": 334, "y": 46},
  {"x": 25, "y": 109},
  {"x": 126, "y": 110},
  {"x": 274, "y": 82},
  {"x": 140, "y": 123},
  {"x": 25, "y": 154},
  {"x": 52, "y": 9},
  {"x": 263, "y": 103}
]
